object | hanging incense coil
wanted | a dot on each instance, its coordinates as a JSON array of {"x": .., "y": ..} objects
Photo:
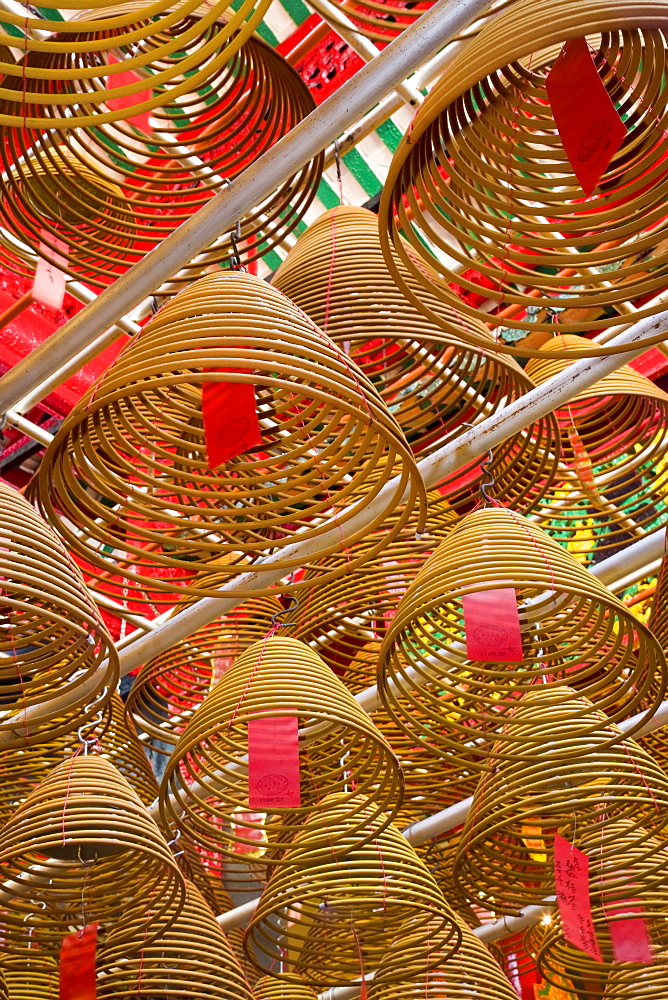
[
  {"x": 452, "y": 978},
  {"x": 137, "y": 441},
  {"x": 383, "y": 20},
  {"x": 439, "y": 857},
  {"x": 356, "y": 896},
  {"x": 114, "y": 192},
  {"x": 292, "y": 988},
  {"x": 33, "y": 976},
  {"x": 169, "y": 688},
  {"x": 614, "y": 450},
  {"x": 482, "y": 176},
  {"x": 84, "y": 846},
  {"x": 120, "y": 745},
  {"x": 573, "y": 630},
  {"x": 505, "y": 854},
  {"x": 629, "y": 981},
  {"x": 644, "y": 862},
  {"x": 172, "y": 48},
  {"x": 432, "y": 382},
  {"x": 658, "y": 618},
  {"x": 57, "y": 660},
  {"x": 279, "y": 677},
  {"x": 192, "y": 958}
]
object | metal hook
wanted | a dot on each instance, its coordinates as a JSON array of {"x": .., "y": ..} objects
[
  {"x": 285, "y": 611},
  {"x": 234, "y": 236},
  {"x": 485, "y": 484},
  {"x": 86, "y": 864}
]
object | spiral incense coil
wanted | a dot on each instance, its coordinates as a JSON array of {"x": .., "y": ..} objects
[
  {"x": 178, "y": 46},
  {"x": 57, "y": 660},
  {"x": 439, "y": 856},
  {"x": 573, "y": 630},
  {"x": 292, "y": 988},
  {"x": 137, "y": 441},
  {"x": 645, "y": 863},
  {"x": 452, "y": 978},
  {"x": 658, "y": 618},
  {"x": 505, "y": 854},
  {"x": 120, "y": 745},
  {"x": 33, "y": 976},
  {"x": 383, "y": 20},
  {"x": 192, "y": 958},
  {"x": 356, "y": 896},
  {"x": 482, "y": 176},
  {"x": 432, "y": 382},
  {"x": 112, "y": 193},
  {"x": 628, "y": 981},
  {"x": 279, "y": 677},
  {"x": 614, "y": 455},
  {"x": 83, "y": 845},
  {"x": 169, "y": 688}
]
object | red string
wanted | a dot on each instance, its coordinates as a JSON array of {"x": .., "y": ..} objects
[{"x": 330, "y": 278}]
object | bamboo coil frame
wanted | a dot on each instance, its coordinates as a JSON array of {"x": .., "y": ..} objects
[
  {"x": 113, "y": 192},
  {"x": 192, "y": 958},
  {"x": 57, "y": 660},
  {"x": 168, "y": 43},
  {"x": 453, "y": 978},
  {"x": 33, "y": 976},
  {"x": 486, "y": 129},
  {"x": 168, "y": 689},
  {"x": 432, "y": 382},
  {"x": 645, "y": 863},
  {"x": 505, "y": 855},
  {"x": 279, "y": 677},
  {"x": 574, "y": 631},
  {"x": 137, "y": 439},
  {"x": 355, "y": 895},
  {"x": 83, "y": 845},
  {"x": 293, "y": 988},
  {"x": 622, "y": 425}
]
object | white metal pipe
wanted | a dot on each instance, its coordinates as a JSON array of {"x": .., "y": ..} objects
[
  {"x": 489, "y": 433},
  {"x": 28, "y": 428},
  {"x": 391, "y": 67}
]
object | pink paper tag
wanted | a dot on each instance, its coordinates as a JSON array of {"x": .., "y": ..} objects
[
  {"x": 630, "y": 938},
  {"x": 571, "y": 879},
  {"x": 492, "y": 624},
  {"x": 589, "y": 125},
  {"x": 273, "y": 763},
  {"x": 49, "y": 284}
]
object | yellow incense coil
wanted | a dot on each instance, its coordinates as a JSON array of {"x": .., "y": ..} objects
[
  {"x": 128, "y": 470},
  {"x": 383, "y": 20},
  {"x": 58, "y": 663},
  {"x": 573, "y": 631},
  {"x": 483, "y": 178}
]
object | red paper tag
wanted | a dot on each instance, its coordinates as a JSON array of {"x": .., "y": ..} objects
[
  {"x": 77, "y": 964},
  {"x": 249, "y": 833},
  {"x": 49, "y": 284},
  {"x": 116, "y": 80},
  {"x": 630, "y": 938},
  {"x": 273, "y": 763},
  {"x": 492, "y": 624},
  {"x": 571, "y": 879},
  {"x": 589, "y": 126},
  {"x": 229, "y": 414}
]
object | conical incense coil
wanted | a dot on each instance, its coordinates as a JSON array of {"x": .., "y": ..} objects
[
  {"x": 431, "y": 381},
  {"x": 33, "y": 976},
  {"x": 192, "y": 958},
  {"x": 383, "y": 20},
  {"x": 23, "y": 770},
  {"x": 658, "y": 618},
  {"x": 83, "y": 845},
  {"x": 294, "y": 988},
  {"x": 113, "y": 192},
  {"x": 355, "y": 896},
  {"x": 644, "y": 862},
  {"x": 573, "y": 631},
  {"x": 614, "y": 456},
  {"x": 340, "y": 750},
  {"x": 160, "y": 41},
  {"x": 169, "y": 688},
  {"x": 57, "y": 660},
  {"x": 483, "y": 176},
  {"x": 470, "y": 972},
  {"x": 505, "y": 853},
  {"x": 439, "y": 857},
  {"x": 137, "y": 440}
]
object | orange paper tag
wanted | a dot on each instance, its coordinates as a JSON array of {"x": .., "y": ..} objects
[
  {"x": 571, "y": 878},
  {"x": 49, "y": 284},
  {"x": 77, "y": 965},
  {"x": 589, "y": 125}
]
